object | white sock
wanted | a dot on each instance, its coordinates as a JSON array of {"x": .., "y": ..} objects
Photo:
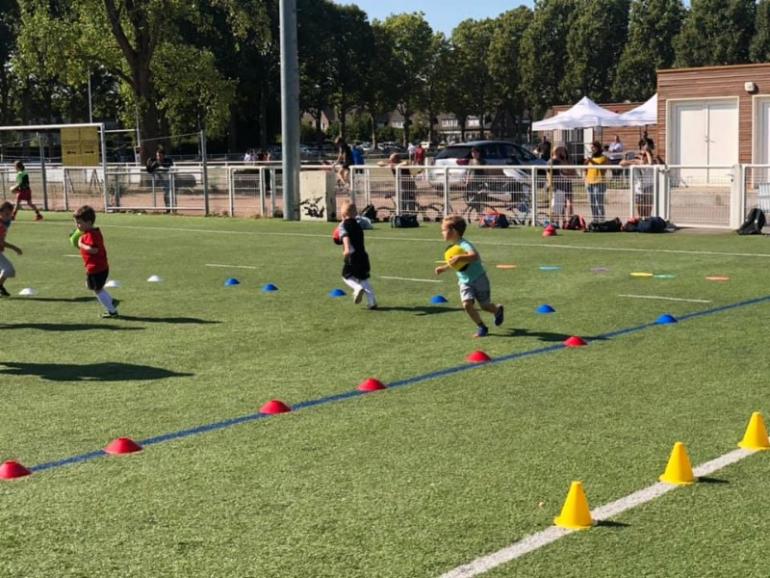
[
  {"x": 353, "y": 283},
  {"x": 370, "y": 299},
  {"x": 106, "y": 300}
]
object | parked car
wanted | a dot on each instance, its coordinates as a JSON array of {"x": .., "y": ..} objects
[{"x": 494, "y": 152}]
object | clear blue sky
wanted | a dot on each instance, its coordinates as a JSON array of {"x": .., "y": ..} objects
[{"x": 442, "y": 15}]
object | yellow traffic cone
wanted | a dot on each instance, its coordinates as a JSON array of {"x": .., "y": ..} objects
[
  {"x": 575, "y": 514},
  {"x": 679, "y": 470},
  {"x": 755, "y": 437}
]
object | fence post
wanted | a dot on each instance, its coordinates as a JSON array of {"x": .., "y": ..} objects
[
  {"x": 261, "y": 182},
  {"x": 65, "y": 180},
  {"x": 204, "y": 154},
  {"x": 42, "y": 172},
  {"x": 230, "y": 191},
  {"x": 632, "y": 188},
  {"x": 533, "y": 194},
  {"x": 398, "y": 190},
  {"x": 446, "y": 192},
  {"x": 737, "y": 197}
]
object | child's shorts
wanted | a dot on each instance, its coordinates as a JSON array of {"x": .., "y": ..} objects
[
  {"x": 24, "y": 195},
  {"x": 6, "y": 267},
  {"x": 478, "y": 290},
  {"x": 96, "y": 281}
]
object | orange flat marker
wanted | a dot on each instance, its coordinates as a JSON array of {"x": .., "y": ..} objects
[{"x": 717, "y": 278}]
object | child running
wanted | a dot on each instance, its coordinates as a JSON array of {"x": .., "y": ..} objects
[
  {"x": 355, "y": 271},
  {"x": 91, "y": 245},
  {"x": 6, "y": 267},
  {"x": 23, "y": 191},
  {"x": 472, "y": 278}
]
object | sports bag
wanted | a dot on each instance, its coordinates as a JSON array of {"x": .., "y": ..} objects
[
  {"x": 406, "y": 221},
  {"x": 651, "y": 225},
  {"x": 494, "y": 220},
  {"x": 575, "y": 223},
  {"x": 754, "y": 222},
  {"x": 613, "y": 226}
]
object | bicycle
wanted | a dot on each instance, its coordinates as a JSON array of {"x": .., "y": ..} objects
[
  {"x": 408, "y": 207},
  {"x": 517, "y": 208}
]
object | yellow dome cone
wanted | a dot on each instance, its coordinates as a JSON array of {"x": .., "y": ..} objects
[
  {"x": 575, "y": 514},
  {"x": 679, "y": 470},
  {"x": 755, "y": 437}
]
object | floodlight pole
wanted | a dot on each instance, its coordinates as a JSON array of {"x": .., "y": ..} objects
[{"x": 289, "y": 108}]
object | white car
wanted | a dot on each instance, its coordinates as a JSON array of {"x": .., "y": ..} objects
[{"x": 494, "y": 153}]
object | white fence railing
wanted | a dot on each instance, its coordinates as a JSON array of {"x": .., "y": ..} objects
[{"x": 697, "y": 196}]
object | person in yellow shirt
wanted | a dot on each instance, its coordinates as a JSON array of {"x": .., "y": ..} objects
[{"x": 596, "y": 181}]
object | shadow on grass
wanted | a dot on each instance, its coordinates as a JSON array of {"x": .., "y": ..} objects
[
  {"x": 176, "y": 320},
  {"x": 67, "y": 327},
  {"x": 611, "y": 524},
  {"x": 420, "y": 310},
  {"x": 83, "y": 299},
  {"x": 543, "y": 335},
  {"x": 89, "y": 372},
  {"x": 707, "y": 480}
]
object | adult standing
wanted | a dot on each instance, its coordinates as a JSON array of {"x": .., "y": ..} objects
[
  {"x": 644, "y": 185},
  {"x": 545, "y": 148},
  {"x": 595, "y": 180},
  {"x": 344, "y": 159},
  {"x": 160, "y": 168},
  {"x": 560, "y": 183},
  {"x": 419, "y": 155}
]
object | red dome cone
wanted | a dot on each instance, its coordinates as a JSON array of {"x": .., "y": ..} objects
[
  {"x": 122, "y": 446},
  {"x": 371, "y": 384},
  {"x": 575, "y": 341},
  {"x": 478, "y": 357},
  {"x": 274, "y": 406},
  {"x": 10, "y": 470}
]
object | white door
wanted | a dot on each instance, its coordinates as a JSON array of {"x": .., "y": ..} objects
[{"x": 705, "y": 133}]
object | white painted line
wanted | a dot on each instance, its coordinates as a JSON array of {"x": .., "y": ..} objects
[
  {"x": 549, "y": 535},
  {"x": 410, "y": 279},
  {"x": 69, "y": 255},
  {"x": 439, "y": 241},
  {"x": 660, "y": 297},
  {"x": 230, "y": 266}
]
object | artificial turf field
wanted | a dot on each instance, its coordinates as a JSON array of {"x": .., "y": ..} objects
[{"x": 408, "y": 482}]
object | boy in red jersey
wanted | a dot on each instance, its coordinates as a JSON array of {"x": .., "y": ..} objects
[{"x": 91, "y": 245}]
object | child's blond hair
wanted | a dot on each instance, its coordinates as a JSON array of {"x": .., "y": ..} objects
[{"x": 348, "y": 209}]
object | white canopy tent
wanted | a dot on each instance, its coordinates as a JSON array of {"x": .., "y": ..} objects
[
  {"x": 585, "y": 114},
  {"x": 643, "y": 114}
]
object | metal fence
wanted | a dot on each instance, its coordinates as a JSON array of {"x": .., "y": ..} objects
[{"x": 697, "y": 196}]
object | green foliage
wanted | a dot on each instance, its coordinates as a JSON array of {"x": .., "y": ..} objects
[
  {"x": 652, "y": 28},
  {"x": 505, "y": 60},
  {"x": 597, "y": 34},
  {"x": 759, "y": 50},
  {"x": 544, "y": 54},
  {"x": 472, "y": 85},
  {"x": 716, "y": 32}
]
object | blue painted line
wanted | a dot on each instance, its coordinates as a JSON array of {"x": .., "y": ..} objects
[{"x": 400, "y": 383}]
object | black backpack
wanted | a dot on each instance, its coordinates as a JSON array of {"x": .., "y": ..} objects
[
  {"x": 405, "y": 221},
  {"x": 613, "y": 226},
  {"x": 370, "y": 213},
  {"x": 651, "y": 225},
  {"x": 754, "y": 222}
]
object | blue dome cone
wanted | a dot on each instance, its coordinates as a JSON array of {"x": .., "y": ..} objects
[
  {"x": 336, "y": 293},
  {"x": 232, "y": 281},
  {"x": 665, "y": 319},
  {"x": 269, "y": 288},
  {"x": 544, "y": 309},
  {"x": 438, "y": 299}
]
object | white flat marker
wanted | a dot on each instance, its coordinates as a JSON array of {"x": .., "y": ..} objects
[
  {"x": 230, "y": 266},
  {"x": 662, "y": 298},
  {"x": 410, "y": 279}
]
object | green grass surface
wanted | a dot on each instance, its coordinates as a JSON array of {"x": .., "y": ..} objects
[{"x": 408, "y": 482}]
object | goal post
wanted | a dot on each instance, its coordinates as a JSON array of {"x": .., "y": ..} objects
[{"x": 78, "y": 145}]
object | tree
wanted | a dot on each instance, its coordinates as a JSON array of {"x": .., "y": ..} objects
[
  {"x": 543, "y": 54},
  {"x": 472, "y": 80},
  {"x": 410, "y": 38},
  {"x": 505, "y": 65},
  {"x": 379, "y": 94},
  {"x": 147, "y": 47},
  {"x": 653, "y": 26},
  {"x": 9, "y": 15},
  {"x": 759, "y": 50},
  {"x": 598, "y": 32},
  {"x": 440, "y": 76},
  {"x": 716, "y": 32}
]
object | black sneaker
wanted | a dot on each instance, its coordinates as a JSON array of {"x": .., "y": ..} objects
[
  {"x": 4, "y": 292},
  {"x": 110, "y": 314}
]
